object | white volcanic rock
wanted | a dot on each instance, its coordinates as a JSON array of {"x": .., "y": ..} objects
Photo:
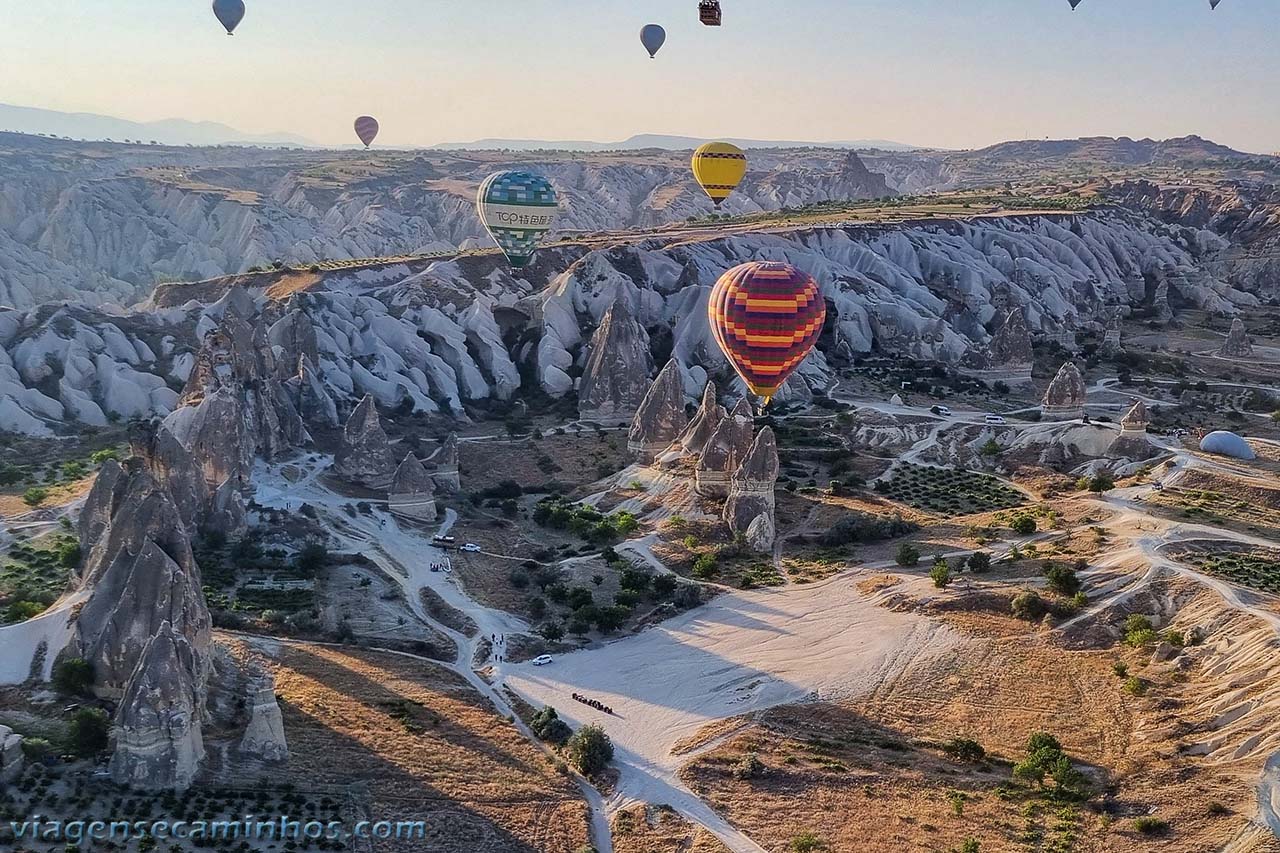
[
  {"x": 724, "y": 452},
  {"x": 704, "y": 423},
  {"x": 661, "y": 418},
  {"x": 1065, "y": 397},
  {"x": 315, "y": 404},
  {"x": 749, "y": 509},
  {"x": 1136, "y": 419},
  {"x": 12, "y": 759},
  {"x": 412, "y": 492},
  {"x": 264, "y": 735},
  {"x": 1008, "y": 357},
  {"x": 1237, "y": 344},
  {"x": 616, "y": 376},
  {"x": 364, "y": 456},
  {"x": 159, "y": 742}
]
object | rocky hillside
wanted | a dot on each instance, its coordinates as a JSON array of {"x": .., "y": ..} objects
[
  {"x": 463, "y": 335},
  {"x": 102, "y": 223}
]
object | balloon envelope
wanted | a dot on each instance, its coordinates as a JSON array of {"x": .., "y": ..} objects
[
  {"x": 367, "y": 129},
  {"x": 1074, "y": 3},
  {"x": 229, "y": 13},
  {"x": 652, "y": 37},
  {"x": 719, "y": 167},
  {"x": 517, "y": 208},
  {"x": 766, "y": 316},
  {"x": 1213, "y": 4}
]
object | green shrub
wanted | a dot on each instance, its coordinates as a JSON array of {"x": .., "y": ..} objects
[
  {"x": 964, "y": 749},
  {"x": 1135, "y": 686},
  {"x": 73, "y": 676},
  {"x": 1028, "y": 605},
  {"x": 1023, "y": 524},
  {"x": 1062, "y": 579},
  {"x": 589, "y": 749},
  {"x": 35, "y": 496},
  {"x": 90, "y": 728},
  {"x": 1148, "y": 825},
  {"x": 36, "y": 749},
  {"x": 548, "y": 726},
  {"x": 908, "y": 555},
  {"x": 806, "y": 842},
  {"x": 1138, "y": 631},
  {"x": 940, "y": 574},
  {"x": 979, "y": 562}
]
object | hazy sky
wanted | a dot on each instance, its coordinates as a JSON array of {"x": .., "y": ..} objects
[{"x": 954, "y": 73}]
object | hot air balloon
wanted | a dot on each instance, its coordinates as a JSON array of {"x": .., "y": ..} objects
[
  {"x": 367, "y": 129},
  {"x": 719, "y": 167},
  {"x": 1213, "y": 4},
  {"x": 766, "y": 316},
  {"x": 1074, "y": 3},
  {"x": 652, "y": 37},
  {"x": 517, "y": 208},
  {"x": 709, "y": 12},
  {"x": 230, "y": 13}
]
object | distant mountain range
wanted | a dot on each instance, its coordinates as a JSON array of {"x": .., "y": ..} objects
[
  {"x": 662, "y": 141},
  {"x": 168, "y": 132}
]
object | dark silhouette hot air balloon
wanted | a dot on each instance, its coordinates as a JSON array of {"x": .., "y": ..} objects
[
  {"x": 1074, "y": 3},
  {"x": 766, "y": 316},
  {"x": 709, "y": 12},
  {"x": 1213, "y": 4},
  {"x": 653, "y": 37},
  {"x": 229, "y": 13},
  {"x": 517, "y": 208},
  {"x": 367, "y": 129}
]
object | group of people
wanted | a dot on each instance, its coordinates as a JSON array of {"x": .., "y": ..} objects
[
  {"x": 499, "y": 642},
  {"x": 594, "y": 703}
]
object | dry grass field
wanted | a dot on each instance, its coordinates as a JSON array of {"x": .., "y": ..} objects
[{"x": 425, "y": 746}]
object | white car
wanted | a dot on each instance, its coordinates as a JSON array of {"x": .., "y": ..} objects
[
  {"x": 996, "y": 420},
  {"x": 542, "y": 660},
  {"x": 471, "y": 546},
  {"x": 940, "y": 411}
]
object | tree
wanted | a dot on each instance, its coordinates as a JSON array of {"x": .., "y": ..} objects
[
  {"x": 664, "y": 585},
  {"x": 589, "y": 750},
  {"x": 1062, "y": 579},
  {"x": 548, "y": 726},
  {"x": 908, "y": 555},
  {"x": 1023, "y": 525},
  {"x": 1101, "y": 482},
  {"x": 90, "y": 728},
  {"x": 34, "y": 496},
  {"x": 312, "y": 557},
  {"x": 940, "y": 574},
  {"x": 552, "y": 632},
  {"x": 1028, "y": 605},
  {"x": 991, "y": 448},
  {"x": 1138, "y": 631},
  {"x": 705, "y": 567},
  {"x": 979, "y": 562},
  {"x": 610, "y": 619},
  {"x": 36, "y": 749},
  {"x": 964, "y": 749},
  {"x": 73, "y": 675}
]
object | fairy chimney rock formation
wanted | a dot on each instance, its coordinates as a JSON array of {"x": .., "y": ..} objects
[
  {"x": 1237, "y": 343},
  {"x": 1065, "y": 397},
  {"x": 1136, "y": 419},
  {"x": 724, "y": 452},
  {"x": 412, "y": 492},
  {"x": 616, "y": 377},
  {"x": 264, "y": 735},
  {"x": 749, "y": 510},
  {"x": 364, "y": 457},
  {"x": 446, "y": 474},
  {"x": 1007, "y": 357},
  {"x": 704, "y": 423},
  {"x": 159, "y": 743},
  {"x": 12, "y": 759},
  {"x": 661, "y": 419},
  {"x": 315, "y": 404}
]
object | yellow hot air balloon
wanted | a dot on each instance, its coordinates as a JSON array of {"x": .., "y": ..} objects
[{"x": 719, "y": 167}]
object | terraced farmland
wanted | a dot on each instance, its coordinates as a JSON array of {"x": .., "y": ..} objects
[{"x": 1257, "y": 569}]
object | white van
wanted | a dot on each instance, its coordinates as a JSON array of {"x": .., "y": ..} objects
[{"x": 996, "y": 420}]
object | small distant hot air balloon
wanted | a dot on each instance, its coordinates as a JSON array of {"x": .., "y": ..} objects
[
  {"x": 229, "y": 13},
  {"x": 652, "y": 37},
  {"x": 517, "y": 208},
  {"x": 709, "y": 13},
  {"x": 766, "y": 316},
  {"x": 719, "y": 167},
  {"x": 1213, "y": 4},
  {"x": 1074, "y": 3},
  {"x": 367, "y": 129}
]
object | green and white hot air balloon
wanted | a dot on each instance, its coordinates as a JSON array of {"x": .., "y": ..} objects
[{"x": 517, "y": 208}]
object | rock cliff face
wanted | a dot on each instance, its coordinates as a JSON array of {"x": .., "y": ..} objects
[
  {"x": 445, "y": 472},
  {"x": 749, "y": 510},
  {"x": 365, "y": 456},
  {"x": 1136, "y": 419},
  {"x": 11, "y": 758},
  {"x": 704, "y": 423},
  {"x": 1237, "y": 344},
  {"x": 616, "y": 377},
  {"x": 1008, "y": 357},
  {"x": 159, "y": 741},
  {"x": 661, "y": 418},
  {"x": 1064, "y": 399},
  {"x": 724, "y": 452},
  {"x": 412, "y": 492}
]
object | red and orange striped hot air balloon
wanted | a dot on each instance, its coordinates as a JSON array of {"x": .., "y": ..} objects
[{"x": 766, "y": 316}]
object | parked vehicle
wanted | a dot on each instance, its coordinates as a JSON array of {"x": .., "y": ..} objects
[
  {"x": 542, "y": 660},
  {"x": 471, "y": 546},
  {"x": 941, "y": 411},
  {"x": 996, "y": 420}
]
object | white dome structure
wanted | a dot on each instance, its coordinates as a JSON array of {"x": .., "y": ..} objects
[{"x": 1225, "y": 443}]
